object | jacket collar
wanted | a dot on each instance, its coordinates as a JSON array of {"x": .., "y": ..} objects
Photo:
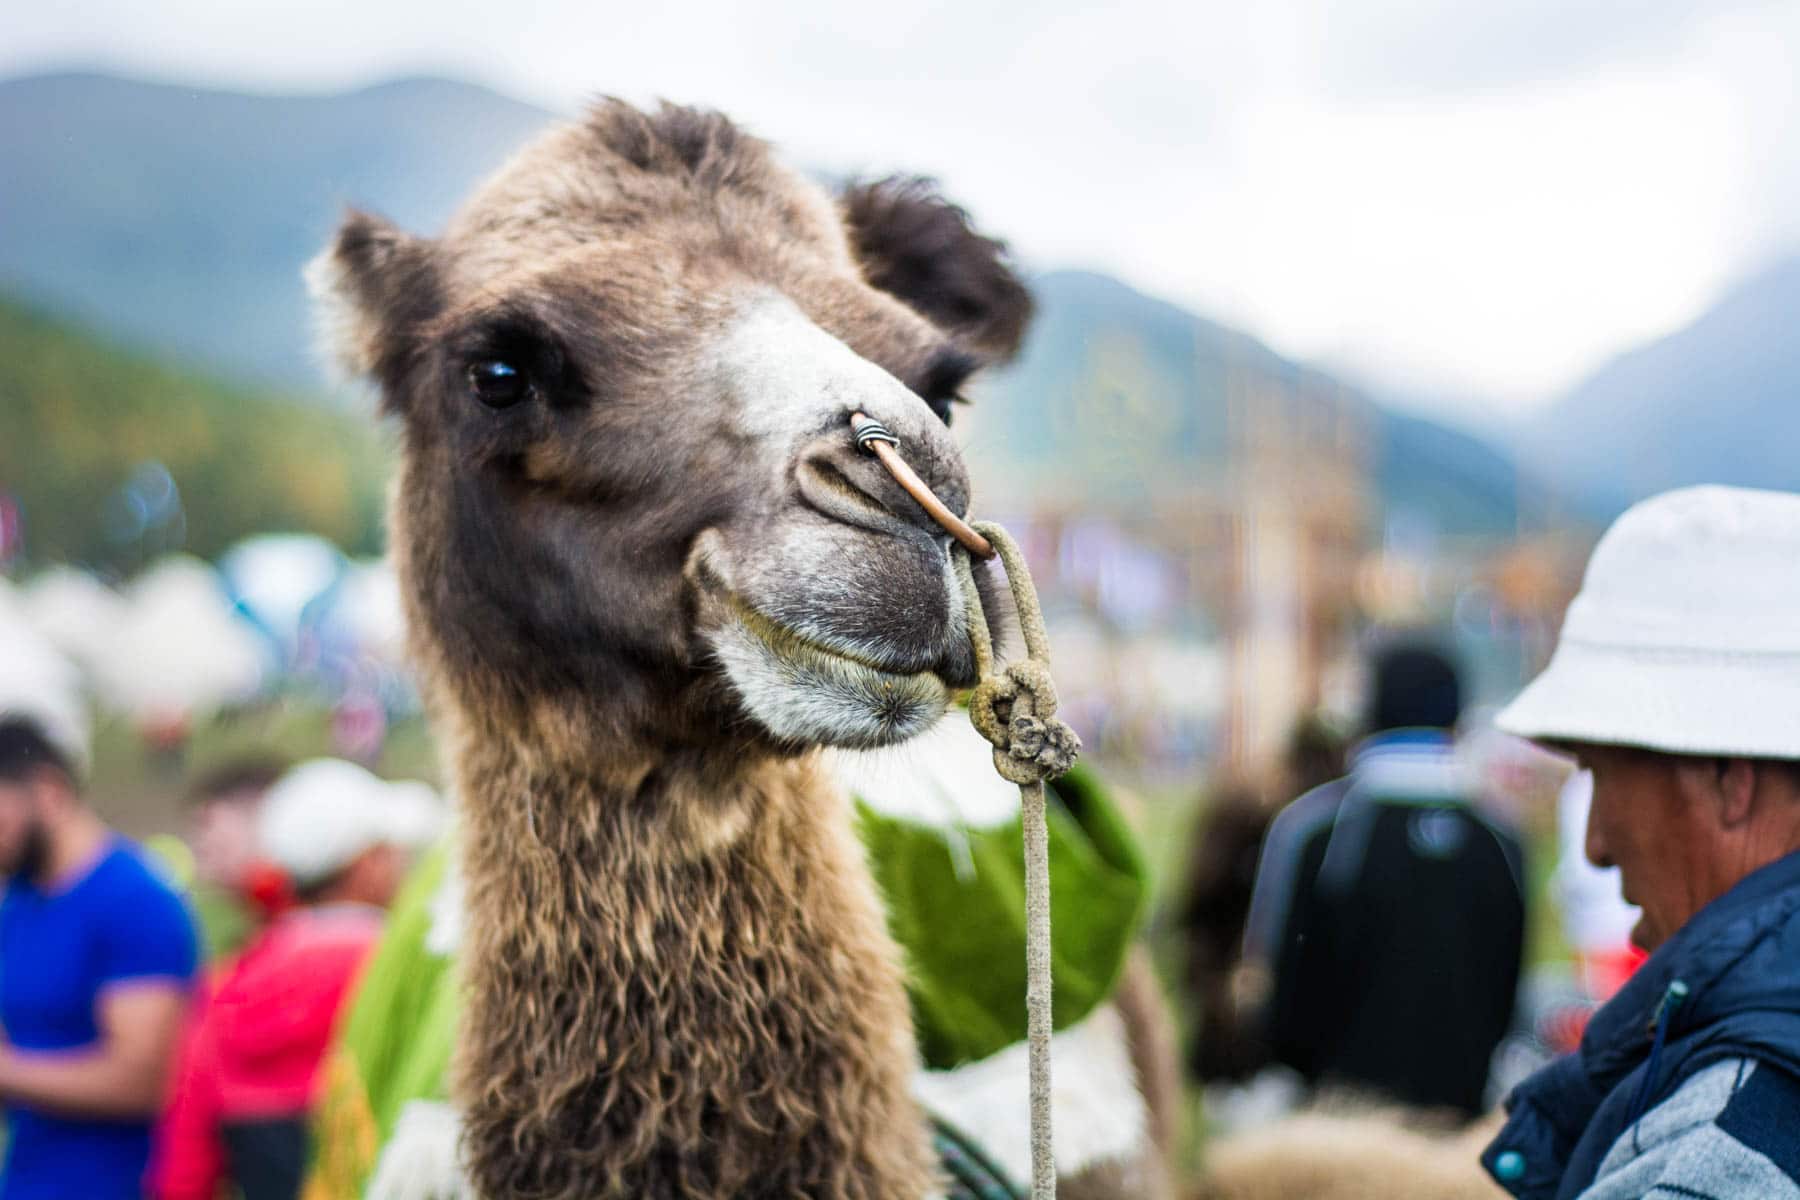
[
  {"x": 1738, "y": 966},
  {"x": 1409, "y": 764},
  {"x": 1707, "y": 956}
]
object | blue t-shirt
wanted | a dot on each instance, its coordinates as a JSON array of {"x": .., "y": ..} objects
[{"x": 59, "y": 951}]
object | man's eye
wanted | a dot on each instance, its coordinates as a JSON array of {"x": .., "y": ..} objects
[{"x": 498, "y": 383}]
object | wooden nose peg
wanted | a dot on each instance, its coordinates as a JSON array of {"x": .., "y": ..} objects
[{"x": 872, "y": 437}]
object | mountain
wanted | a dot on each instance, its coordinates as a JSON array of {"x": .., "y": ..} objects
[
  {"x": 1138, "y": 399},
  {"x": 1125, "y": 392},
  {"x": 1452, "y": 480},
  {"x": 1716, "y": 402},
  {"x": 110, "y": 455},
  {"x": 180, "y": 218}
]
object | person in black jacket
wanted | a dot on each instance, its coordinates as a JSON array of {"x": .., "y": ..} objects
[
  {"x": 1389, "y": 912},
  {"x": 1226, "y": 1047}
]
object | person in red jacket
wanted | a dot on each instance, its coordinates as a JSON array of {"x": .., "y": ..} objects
[{"x": 336, "y": 840}]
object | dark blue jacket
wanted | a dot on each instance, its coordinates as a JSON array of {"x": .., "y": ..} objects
[{"x": 1727, "y": 985}]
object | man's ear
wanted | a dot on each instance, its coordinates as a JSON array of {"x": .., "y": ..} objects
[
  {"x": 1735, "y": 780},
  {"x": 373, "y": 285},
  {"x": 918, "y": 246}
]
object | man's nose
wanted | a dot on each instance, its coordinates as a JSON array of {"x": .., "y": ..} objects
[{"x": 1594, "y": 844}]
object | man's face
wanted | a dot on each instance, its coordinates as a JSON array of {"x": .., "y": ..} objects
[
  {"x": 22, "y": 837},
  {"x": 1659, "y": 838},
  {"x": 224, "y": 837}
]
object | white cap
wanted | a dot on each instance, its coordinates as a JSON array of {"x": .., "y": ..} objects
[
  {"x": 1683, "y": 638},
  {"x": 322, "y": 814}
]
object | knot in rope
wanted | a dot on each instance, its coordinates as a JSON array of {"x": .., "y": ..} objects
[
  {"x": 1015, "y": 711},
  {"x": 1014, "y": 707}
]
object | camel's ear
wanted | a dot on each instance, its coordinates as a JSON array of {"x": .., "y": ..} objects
[
  {"x": 917, "y": 245},
  {"x": 373, "y": 285}
]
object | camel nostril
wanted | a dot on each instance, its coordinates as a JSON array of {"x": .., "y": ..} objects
[{"x": 832, "y": 490}]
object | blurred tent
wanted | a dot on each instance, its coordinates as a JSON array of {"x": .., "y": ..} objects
[
  {"x": 367, "y": 607},
  {"x": 180, "y": 651},
  {"x": 37, "y": 681},
  {"x": 288, "y": 614},
  {"x": 275, "y": 579},
  {"x": 331, "y": 623},
  {"x": 77, "y": 612}
]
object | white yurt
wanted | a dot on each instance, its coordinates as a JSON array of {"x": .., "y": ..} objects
[
  {"x": 38, "y": 681},
  {"x": 180, "y": 650},
  {"x": 77, "y": 612}
]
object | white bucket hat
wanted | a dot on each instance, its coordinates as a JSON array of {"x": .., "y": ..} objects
[
  {"x": 1685, "y": 637},
  {"x": 322, "y": 814}
]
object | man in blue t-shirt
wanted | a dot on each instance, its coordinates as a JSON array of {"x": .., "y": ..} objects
[{"x": 96, "y": 957}]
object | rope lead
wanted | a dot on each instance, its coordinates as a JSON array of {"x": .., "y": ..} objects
[{"x": 1014, "y": 708}]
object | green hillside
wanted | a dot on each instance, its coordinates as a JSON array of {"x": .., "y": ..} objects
[
  {"x": 179, "y": 217},
  {"x": 84, "y": 425}
]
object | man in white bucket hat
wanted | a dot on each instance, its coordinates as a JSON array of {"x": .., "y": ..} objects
[{"x": 1676, "y": 681}]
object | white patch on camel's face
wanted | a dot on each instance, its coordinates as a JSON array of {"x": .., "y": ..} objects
[
  {"x": 803, "y": 693},
  {"x": 803, "y": 609},
  {"x": 785, "y": 374}
]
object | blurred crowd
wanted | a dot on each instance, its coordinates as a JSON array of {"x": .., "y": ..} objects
[
  {"x": 1359, "y": 924},
  {"x": 165, "y": 1026},
  {"x": 1369, "y": 935}
]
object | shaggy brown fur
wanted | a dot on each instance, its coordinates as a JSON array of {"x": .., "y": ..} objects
[
  {"x": 918, "y": 246},
  {"x": 686, "y": 1012},
  {"x": 1374, "y": 1156},
  {"x": 680, "y": 980}
]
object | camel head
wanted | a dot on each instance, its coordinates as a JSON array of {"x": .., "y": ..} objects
[{"x": 629, "y": 494}]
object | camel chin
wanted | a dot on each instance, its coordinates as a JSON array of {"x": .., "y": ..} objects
[
  {"x": 844, "y": 683},
  {"x": 806, "y": 693}
]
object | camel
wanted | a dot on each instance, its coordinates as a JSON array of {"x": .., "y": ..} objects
[
  {"x": 648, "y": 577},
  {"x": 1352, "y": 1151}
]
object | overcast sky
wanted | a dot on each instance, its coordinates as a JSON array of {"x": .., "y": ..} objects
[{"x": 1479, "y": 200}]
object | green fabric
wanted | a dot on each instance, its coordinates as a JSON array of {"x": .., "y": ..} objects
[
  {"x": 393, "y": 1046},
  {"x": 403, "y": 1026},
  {"x": 963, "y": 930}
]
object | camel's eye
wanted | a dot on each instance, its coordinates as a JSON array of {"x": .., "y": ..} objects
[
  {"x": 498, "y": 383},
  {"x": 941, "y": 382},
  {"x": 943, "y": 406}
]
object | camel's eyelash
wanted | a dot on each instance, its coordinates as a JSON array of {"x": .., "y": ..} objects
[
  {"x": 942, "y": 381},
  {"x": 946, "y": 373},
  {"x": 521, "y": 342}
]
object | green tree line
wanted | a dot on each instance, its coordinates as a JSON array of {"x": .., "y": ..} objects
[{"x": 92, "y": 434}]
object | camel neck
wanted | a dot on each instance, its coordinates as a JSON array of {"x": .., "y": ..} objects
[{"x": 684, "y": 988}]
